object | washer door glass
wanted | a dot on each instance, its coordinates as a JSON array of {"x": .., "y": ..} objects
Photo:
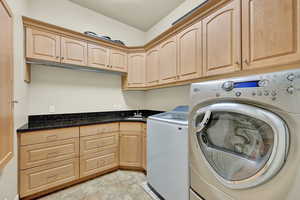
[{"x": 238, "y": 140}]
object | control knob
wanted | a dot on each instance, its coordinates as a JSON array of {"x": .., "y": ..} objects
[
  {"x": 290, "y": 90},
  {"x": 291, "y": 77},
  {"x": 228, "y": 85}
]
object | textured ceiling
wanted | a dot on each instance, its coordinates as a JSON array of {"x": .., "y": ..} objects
[{"x": 141, "y": 14}]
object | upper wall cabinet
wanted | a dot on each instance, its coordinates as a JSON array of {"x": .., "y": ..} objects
[
  {"x": 42, "y": 45},
  {"x": 73, "y": 51},
  {"x": 168, "y": 61},
  {"x": 222, "y": 40},
  {"x": 189, "y": 43},
  {"x": 152, "y": 67},
  {"x": 118, "y": 60},
  {"x": 271, "y": 32},
  {"x": 98, "y": 56},
  {"x": 136, "y": 70}
]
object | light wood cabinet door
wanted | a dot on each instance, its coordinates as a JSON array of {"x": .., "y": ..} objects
[
  {"x": 42, "y": 45},
  {"x": 98, "y": 56},
  {"x": 271, "y": 32},
  {"x": 222, "y": 40},
  {"x": 136, "y": 70},
  {"x": 168, "y": 61},
  {"x": 96, "y": 163},
  {"x": 144, "y": 141},
  {"x": 73, "y": 51},
  {"x": 152, "y": 67},
  {"x": 189, "y": 43},
  {"x": 118, "y": 60},
  {"x": 131, "y": 149},
  {"x": 46, "y": 153},
  {"x": 39, "y": 179},
  {"x": 6, "y": 86}
]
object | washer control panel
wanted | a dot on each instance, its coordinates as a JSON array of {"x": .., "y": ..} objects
[{"x": 278, "y": 88}]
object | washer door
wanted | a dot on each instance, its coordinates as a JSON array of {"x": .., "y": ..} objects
[{"x": 243, "y": 145}]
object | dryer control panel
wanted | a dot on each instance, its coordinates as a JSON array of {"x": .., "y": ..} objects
[{"x": 281, "y": 89}]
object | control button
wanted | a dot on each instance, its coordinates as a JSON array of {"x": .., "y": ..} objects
[
  {"x": 273, "y": 98},
  {"x": 259, "y": 93},
  {"x": 266, "y": 93},
  {"x": 218, "y": 95},
  {"x": 291, "y": 77},
  {"x": 228, "y": 85},
  {"x": 274, "y": 93},
  {"x": 253, "y": 94},
  {"x": 290, "y": 90},
  {"x": 238, "y": 94},
  {"x": 263, "y": 83}
]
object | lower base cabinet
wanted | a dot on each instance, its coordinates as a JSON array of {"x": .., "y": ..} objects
[
  {"x": 60, "y": 157},
  {"x": 38, "y": 179},
  {"x": 99, "y": 162}
]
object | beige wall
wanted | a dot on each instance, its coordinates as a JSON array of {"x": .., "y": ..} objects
[
  {"x": 167, "y": 21},
  {"x": 79, "y": 91},
  {"x": 69, "y": 15},
  {"x": 167, "y": 98},
  {"x": 8, "y": 176}
]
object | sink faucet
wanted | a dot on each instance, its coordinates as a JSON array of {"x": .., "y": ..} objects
[{"x": 138, "y": 114}]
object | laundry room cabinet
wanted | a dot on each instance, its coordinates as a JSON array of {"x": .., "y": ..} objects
[
  {"x": 42, "y": 45},
  {"x": 271, "y": 32},
  {"x": 168, "y": 61},
  {"x": 189, "y": 56},
  {"x": 136, "y": 70},
  {"x": 131, "y": 144},
  {"x": 152, "y": 67},
  {"x": 98, "y": 56},
  {"x": 222, "y": 40},
  {"x": 51, "y": 47}
]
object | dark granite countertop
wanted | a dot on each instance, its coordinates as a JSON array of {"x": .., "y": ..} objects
[{"x": 44, "y": 122}]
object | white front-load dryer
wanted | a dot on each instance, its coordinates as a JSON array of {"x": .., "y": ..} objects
[{"x": 244, "y": 138}]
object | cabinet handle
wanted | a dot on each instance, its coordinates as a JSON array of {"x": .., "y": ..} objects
[
  {"x": 237, "y": 63},
  {"x": 57, "y": 57},
  {"x": 62, "y": 58},
  {"x": 246, "y": 62}
]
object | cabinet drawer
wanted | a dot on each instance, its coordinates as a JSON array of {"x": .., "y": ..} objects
[
  {"x": 37, "y": 137},
  {"x": 131, "y": 126},
  {"x": 95, "y": 163},
  {"x": 98, "y": 129},
  {"x": 48, "y": 176},
  {"x": 97, "y": 143},
  {"x": 41, "y": 154}
]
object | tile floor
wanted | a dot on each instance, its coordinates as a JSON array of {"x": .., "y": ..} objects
[{"x": 119, "y": 185}]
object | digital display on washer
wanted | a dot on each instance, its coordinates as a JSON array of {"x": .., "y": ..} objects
[{"x": 248, "y": 84}]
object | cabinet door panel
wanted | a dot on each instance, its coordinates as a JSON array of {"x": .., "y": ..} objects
[
  {"x": 73, "y": 51},
  {"x": 136, "y": 70},
  {"x": 98, "y": 56},
  {"x": 152, "y": 67},
  {"x": 271, "y": 32},
  {"x": 42, "y": 45},
  {"x": 168, "y": 61},
  {"x": 190, "y": 52},
  {"x": 118, "y": 60},
  {"x": 130, "y": 149},
  {"x": 222, "y": 40}
]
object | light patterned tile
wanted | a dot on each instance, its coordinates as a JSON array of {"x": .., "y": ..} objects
[{"x": 119, "y": 185}]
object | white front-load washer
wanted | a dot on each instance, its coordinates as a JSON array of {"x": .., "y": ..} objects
[{"x": 244, "y": 136}]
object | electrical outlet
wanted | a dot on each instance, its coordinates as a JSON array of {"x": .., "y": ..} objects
[{"x": 52, "y": 109}]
